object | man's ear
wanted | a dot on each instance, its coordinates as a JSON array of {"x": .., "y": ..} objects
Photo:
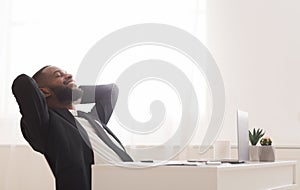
[{"x": 46, "y": 91}]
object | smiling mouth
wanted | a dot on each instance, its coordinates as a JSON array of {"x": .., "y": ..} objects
[{"x": 69, "y": 82}]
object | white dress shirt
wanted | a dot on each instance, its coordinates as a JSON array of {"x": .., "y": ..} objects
[{"x": 103, "y": 154}]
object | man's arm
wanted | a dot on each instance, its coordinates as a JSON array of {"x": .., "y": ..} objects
[
  {"x": 34, "y": 110},
  {"x": 105, "y": 97}
]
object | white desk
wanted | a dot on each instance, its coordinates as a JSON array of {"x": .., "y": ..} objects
[{"x": 252, "y": 176}]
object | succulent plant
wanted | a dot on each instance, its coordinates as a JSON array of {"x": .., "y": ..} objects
[
  {"x": 255, "y": 135},
  {"x": 266, "y": 141}
]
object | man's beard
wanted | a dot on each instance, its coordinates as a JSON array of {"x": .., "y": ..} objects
[{"x": 67, "y": 94}]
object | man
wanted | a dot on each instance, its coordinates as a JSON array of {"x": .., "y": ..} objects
[{"x": 65, "y": 137}]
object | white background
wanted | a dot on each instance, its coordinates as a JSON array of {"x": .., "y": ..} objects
[
  {"x": 38, "y": 33},
  {"x": 255, "y": 44}
]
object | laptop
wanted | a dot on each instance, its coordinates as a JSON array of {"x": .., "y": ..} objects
[
  {"x": 242, "y": 139},
  {"x": 243, "y": 135}
]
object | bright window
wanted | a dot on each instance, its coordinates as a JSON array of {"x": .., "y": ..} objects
[{"x": 35, "y": 33}]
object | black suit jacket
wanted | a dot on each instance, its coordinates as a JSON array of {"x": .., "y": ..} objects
[{"x": 53, "y": 132}]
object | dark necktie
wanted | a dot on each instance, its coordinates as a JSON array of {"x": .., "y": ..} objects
[{"x": 105, "y": 138}]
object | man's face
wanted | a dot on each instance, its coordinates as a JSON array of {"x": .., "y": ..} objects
[{"x": 60, "y": 84}]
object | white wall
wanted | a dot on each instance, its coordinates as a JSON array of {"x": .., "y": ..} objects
[
  {"x": 256, "y": 45},
  {"x": 23, "y": 168}
]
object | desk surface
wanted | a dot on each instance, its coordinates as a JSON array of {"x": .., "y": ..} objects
[{"x": 267, "y": 175}]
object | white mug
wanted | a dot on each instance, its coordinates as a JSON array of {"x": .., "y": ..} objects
[{"x": 222, "y": 150}]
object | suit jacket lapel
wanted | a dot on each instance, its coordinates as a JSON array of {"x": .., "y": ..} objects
[{"x": 66, "y": 115}]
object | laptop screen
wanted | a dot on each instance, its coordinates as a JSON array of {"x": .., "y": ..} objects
[{"x": 243, "y": 135}]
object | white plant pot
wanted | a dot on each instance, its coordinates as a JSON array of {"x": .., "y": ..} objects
[
  {"x": 266, "y": 154},
  {"x": 254, "y": 153}
]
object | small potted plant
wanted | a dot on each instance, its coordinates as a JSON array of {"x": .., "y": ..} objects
[
  {"x": 266, "y": 141},
  {"x": 267, "y": 152},
  {"x": 255, "y": 135},
  {"x": 254, "y": 138}
]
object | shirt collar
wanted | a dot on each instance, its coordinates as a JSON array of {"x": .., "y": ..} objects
[{"x": 73, "y": 112}]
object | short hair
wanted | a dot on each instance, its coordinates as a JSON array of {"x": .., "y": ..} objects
[{"x": 38, "y": 75}]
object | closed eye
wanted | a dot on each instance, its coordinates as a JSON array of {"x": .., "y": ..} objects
[{"x": 59, "y": 73}]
